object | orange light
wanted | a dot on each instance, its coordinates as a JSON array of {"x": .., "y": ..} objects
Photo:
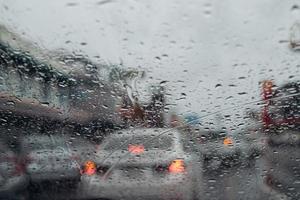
[
  {"x": 177, "y": 166},
  {"x": 89, "y": 168},
  {"x": 136, "y": 149},
  {"x": 228, "y": 141},
  {"x": 267, "y": 84}
]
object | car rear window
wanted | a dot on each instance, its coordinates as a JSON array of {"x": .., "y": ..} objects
[
  {"x": 153, "y": 142},
  {"x": 214, "y": 135}
]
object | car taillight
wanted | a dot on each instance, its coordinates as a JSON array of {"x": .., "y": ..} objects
[
  {"x": 228, "y": 141},
  {"x": 177, "y": 166},
  {"x": 136, "y": 149},
  {"x": 89, "y": 168},
  {"x": 19, "y": 169},
  {"x": 19, "y": 166}
]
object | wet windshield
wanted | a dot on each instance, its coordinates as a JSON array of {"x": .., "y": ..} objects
[{"x": 139, "y": 99}]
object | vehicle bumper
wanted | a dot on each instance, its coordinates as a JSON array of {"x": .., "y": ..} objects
[
  {"x": 227, "y": 157},
  {"x": 56, "y": 174},
  {"x": 174, "y": 188}
]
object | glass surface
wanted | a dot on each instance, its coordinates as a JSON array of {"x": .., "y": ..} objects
[{"x": 140, "y": 99}]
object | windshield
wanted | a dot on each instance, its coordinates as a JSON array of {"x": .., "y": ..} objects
[{"x": 150, "y": 99}]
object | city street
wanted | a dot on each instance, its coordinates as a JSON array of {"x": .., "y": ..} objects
[
  {"x": 150, "y": 100},
  {"x": 237, "y": 182}
]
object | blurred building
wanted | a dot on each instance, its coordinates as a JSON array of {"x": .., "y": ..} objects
[{"x": 55, "y": 89}]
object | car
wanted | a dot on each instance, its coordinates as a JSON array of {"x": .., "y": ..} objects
[
  {"x": 49, "y": 161},
  {"x": 282, "y": 157},
  {"x": 219, "y": 148},
  {"x": 13, "y": 179},
  {"x": 256, "y": 142},
  {"x": 142, "y": 163}
]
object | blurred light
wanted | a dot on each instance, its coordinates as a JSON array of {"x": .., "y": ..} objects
[
  {"x": 89, "y": 168},
  {"x": 228, "y": 141},
  {"x": 177, "y": 166},
  {"x": 136, "y": 149}
]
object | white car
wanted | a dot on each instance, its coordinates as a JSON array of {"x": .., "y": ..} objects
[
  {"x": 48, "y": 158},
  {"x": 13, "y": 180},
  {"x": 142, "y": 164},
  {"x": 219, "y": 148}
]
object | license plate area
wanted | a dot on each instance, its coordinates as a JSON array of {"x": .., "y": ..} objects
[{"x": 133, "y": 172}]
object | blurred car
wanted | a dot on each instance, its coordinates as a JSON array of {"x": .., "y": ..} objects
[
  {"x": 256, "y": 141},
  {"x": 49, "y": 160},
  {"x": 219, "y": 148},
  {"x": 13, "y": 179},
  {"x": 283, "y": 150},
  {"x": 142, "y": 164}
]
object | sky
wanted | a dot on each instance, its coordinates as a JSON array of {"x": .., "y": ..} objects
[{"x": 213, "y": 54}]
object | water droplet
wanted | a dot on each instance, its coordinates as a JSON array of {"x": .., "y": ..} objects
[
  {"x": 71, "y": 4},
  {"x": 104, "y": 2},
  {"x": 45, "y": 104},
  {"x": 207, "y": 10},
  {"x": 242, "y": 93},
  {"x": 295, "y": 7}
]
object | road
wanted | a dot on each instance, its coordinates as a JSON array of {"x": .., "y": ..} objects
[
  {"x": 238, "y": 182},
  {"x": 234, "y": 183}
]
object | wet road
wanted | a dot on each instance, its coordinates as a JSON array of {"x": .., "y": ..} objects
[{"x": 238, "y": 182}]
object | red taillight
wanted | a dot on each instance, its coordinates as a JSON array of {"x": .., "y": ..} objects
[
  {"x": 89, "y": 168},
  {"x": 177, "y": 166},
  {"x": 19, "y": 169},
  {"x": 136, "y": 149},
  {"x": 19, "y": 166}
]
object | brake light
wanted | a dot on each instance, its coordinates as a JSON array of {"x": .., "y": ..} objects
[
  {"x": 227, "y": 141},
  {"x": 19, "y": 166},
  {"x": 136, "y": 149},
  {"x": 177, "y": 166},
  {"x": 89, "y": 168},
  {"x": 19, "y": 169}
]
